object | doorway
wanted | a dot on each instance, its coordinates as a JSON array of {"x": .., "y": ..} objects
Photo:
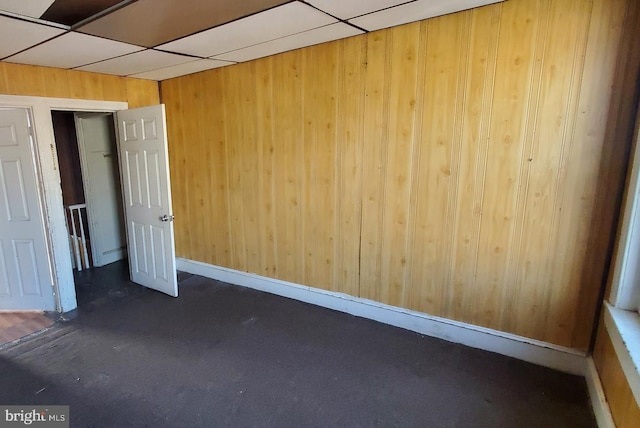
[
  {"x": 145, "y": 184},
  {"x": 90, "y": 182}
]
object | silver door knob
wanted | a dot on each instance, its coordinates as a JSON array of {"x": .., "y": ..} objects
[{"x": 167, "y": 218}]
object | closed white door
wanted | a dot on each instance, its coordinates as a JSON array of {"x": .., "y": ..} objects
[
  {"x": 25, "y": 276},
  {"x": 144, "y": 166},
  {"x": 101, "y": 179}
]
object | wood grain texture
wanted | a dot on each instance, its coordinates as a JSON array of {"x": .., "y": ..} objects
[
  {"x": 622, "y": 403},
  {"x": 455, "y": 166},
  {"x": 19, "y": 79},
  {"x": 64, "y": 131},
  {"x": 628, "y": 67},
  {"x": 16, "y": 325}
]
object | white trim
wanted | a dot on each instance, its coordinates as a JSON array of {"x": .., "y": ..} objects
[
  {"x": 625, "y": 293},
  {"x": 60, "y": 257},
  {"x": 35, "y": 20},
  {"x": 534, "y": 351},
  {"x": 624, "y": 330},
  {"x": 599, "y": 403}
]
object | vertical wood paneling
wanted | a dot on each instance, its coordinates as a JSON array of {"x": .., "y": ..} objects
[
  {"x": 242, "y": 168},
  {"x": 289, "y": 152},
  {"x": 233, "y": 155},
  {"x": 18, "y": 79},
  {"x": 319, "y": 208},
  {"x": 622, "y": 403},
  {"x": 178, "y": 159},
  {"x": 403, "y": 76},
  {"x": 265, "y": 185},
  {"x": 559, "y": 83},
  {"x": 615, "y": 157},
  {"x": 580, "y": 180},
  {"x": 451, "y": 166},
  {"x": 207, "y": 170},
  {"x": 196, "y": 184},
  {"x": 349, "y": 157},
  {"x": 141, "y": 93},
  {"x": 213, "y": 116},
  {"x": 437, "y": 166},
  {"x": 479, "y": 86},
  {"x": 508, "y": 124},
  {"x": 374, "y": 163}
]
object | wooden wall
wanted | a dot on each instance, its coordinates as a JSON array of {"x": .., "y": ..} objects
[
  {"x": 18, "y": 79},
  {"x": 622, "y": 403},
  {"x": 465, "y": 166},
  {"x": 64, "y": 131}
]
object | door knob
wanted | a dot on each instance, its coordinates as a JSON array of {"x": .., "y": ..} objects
[{"x": 167, "y": 218}]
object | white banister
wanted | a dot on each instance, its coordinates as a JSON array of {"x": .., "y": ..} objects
[{"x": 81, "y": 254}]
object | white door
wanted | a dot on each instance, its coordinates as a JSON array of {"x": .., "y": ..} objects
[
  {"x": 142, "y": 149},
  {"x": 25, "y": 277},
  {"x": 101, "y": 180}
]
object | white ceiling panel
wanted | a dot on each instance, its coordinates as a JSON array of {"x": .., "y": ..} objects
[
  {"x": 300, "y": 40},
  {"x": 73, "y": 50},
  {"x": 16, "y": 35},
  {"x": 346, "y": 9},
  {"x": 274, "y": 23},
  {"x": 182, "y": 69},
  {"x": 32, "y": 8},
  {"x": 415, "y": 11},
  {"x": 137, "y": 63}
]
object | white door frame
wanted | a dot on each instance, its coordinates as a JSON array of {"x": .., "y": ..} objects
[{"x": 53, "y": 208}]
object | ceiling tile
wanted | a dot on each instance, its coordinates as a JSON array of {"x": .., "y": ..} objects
[
  {"x": 153, "y": 22},
  {"x": 32, "y": 8},
  {"x": 182, "y": 69},
  {"x": 346, "y": 9},
  {"x": 415, "y": 11},
  {"x": 16, "y": 35},
  {"x": 307, "y": 38},
  {"x": 269, "y": 25},
  {"x": 73, "y": 50},
  {"x": 70, "y": 12},
  {"x": 136, "y": 63}
]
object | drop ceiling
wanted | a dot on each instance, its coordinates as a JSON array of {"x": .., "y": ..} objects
[{"x": 162, "y": 39}]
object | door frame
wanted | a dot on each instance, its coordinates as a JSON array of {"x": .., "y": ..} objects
[{"x": 60, "y": 265}]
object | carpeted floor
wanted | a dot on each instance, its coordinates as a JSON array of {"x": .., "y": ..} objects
[{"x": 225, "y": 356}]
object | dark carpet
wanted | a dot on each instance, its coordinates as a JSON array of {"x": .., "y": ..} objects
[{"x": 225, "y": 356}]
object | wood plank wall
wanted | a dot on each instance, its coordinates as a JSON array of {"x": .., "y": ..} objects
[
  {"x": 19, "y": 79},
  {"x": 465, "y": 166},
  {"x": 64, "y": 131},
  {"x": 622, "y": 403}
]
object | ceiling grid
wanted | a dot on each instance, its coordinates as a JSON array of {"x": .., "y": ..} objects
[{"x": 162, "y": 39}]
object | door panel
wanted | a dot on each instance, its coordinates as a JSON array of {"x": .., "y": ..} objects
[
  {"x": 101, "y": 177},
  {"x": 13, "y": 188},
  {"x": 134, "y": 198},
  {"x": 159, "y": 261},
  {"x": 24, "y": 260},
  {"x": 142, "y": 148}
]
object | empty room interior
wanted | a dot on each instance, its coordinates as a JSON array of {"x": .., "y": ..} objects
[{"x": 321, "y": 212}]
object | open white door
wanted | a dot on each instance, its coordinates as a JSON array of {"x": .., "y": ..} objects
[
  {"x": 144, "y": 167},
  {"x": 25, "y": 279},
  {"x": 101, "y": 179}
]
